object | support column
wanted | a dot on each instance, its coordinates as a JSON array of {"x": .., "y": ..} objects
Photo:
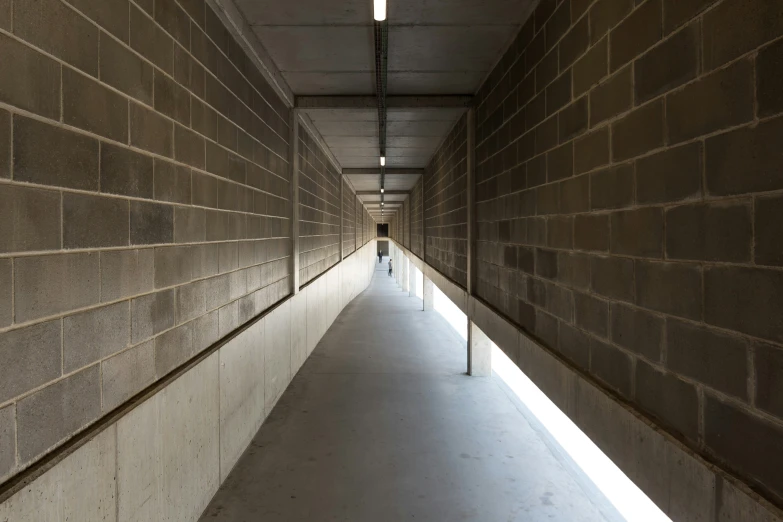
[
  {"x": 294, "y": 166},
  {"x": 429, "y": 294},
  {"x": 411, "y": 280},
  {"x": 479, "y": 352}
]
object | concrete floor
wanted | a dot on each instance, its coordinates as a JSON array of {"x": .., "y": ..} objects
[{"x": 382, "y": 424}]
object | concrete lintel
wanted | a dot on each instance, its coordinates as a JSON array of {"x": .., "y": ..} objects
[
  {"x": 392, "y": 102},
  {"x": 389, "y": 172}
]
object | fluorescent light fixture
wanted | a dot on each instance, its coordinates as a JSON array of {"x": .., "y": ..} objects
[
  {"x": 380, "y": 10},
  {"x": 383, "y": 158}
]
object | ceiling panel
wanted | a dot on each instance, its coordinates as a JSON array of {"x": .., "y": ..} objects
[
  {"x": 451, "y": 114},
  {"x": 436, "y": 47},
  {"x": 447, "y": 48},
  {"x": 423, "y": 82},
  {"x": 413, "y": 142},
  {"x": 419, "y": 128},
  {"x": 342, "y": 114},
  {"x": 458, "y": 12},
  {"x": 319, "y": 83},
  {"x": 348, "y": 128},
  {"x": 306, "y": 12},
  {"x": 386, "y": 197},
  {"x": 319, "y": 48}
]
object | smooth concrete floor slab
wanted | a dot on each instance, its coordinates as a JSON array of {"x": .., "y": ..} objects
[{"x": 382, "y": 424}]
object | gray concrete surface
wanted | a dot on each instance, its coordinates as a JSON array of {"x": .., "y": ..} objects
[{"x": 382, "y": 423}]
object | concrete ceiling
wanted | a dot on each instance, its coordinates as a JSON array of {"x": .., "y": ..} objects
[{"x": 436, "y": 47}]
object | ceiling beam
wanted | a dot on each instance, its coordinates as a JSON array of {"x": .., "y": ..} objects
[
  {"x": 392, "y": 102},
  {"x": 389, "y": 171},
  {"x": 386, "y": 192}
]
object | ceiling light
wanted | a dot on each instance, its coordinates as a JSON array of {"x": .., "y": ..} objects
[
  {"x": 383, "y": 161},
  {"x": 381, "y": 203},
  {"x": 381, "y": 190},
  {"x": 380, "y": 10}
]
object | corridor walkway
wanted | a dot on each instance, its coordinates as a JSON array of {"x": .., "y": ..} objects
[{"x": 382, "y": 424}]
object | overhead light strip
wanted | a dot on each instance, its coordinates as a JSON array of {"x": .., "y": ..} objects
[{"x": 381, "y": 69}]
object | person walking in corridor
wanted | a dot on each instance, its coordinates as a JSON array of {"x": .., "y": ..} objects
[
  {"x": 390, "y": 267},
  {"x": 380, "y": 257}
]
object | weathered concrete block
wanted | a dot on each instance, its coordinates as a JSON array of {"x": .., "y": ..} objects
[
  {"x": 29, "y": 219},
  {"x": 48, "y": 285},
  {"x": 229, "y": 318},
  {"x": 126, "y": 374},
  {"x": 190, "y": 301},
  {"x": 173, "y": 266},
  {"x": 37, "y": 364},
  {"x": 94, "y": 221},
  {"x": 205, "y": 331},
  {"x": 50, "y": 415},
  {"x": 53, "y": 156},
  {"x": 126, "y": 273},
  {"x": 173, "y": 348},
  {"x": 151, "y": 314},
  {"x": 94, "y": 335}
]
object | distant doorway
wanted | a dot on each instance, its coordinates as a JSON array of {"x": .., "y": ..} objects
[
  {"x": 383, "y": 230},
  {"x": 383, "y": 246}
]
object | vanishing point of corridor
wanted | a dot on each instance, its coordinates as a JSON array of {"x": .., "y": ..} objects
[{"x": 382, "y": 424}]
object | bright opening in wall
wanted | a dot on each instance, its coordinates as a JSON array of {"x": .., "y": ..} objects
[
  {"x": 451, "y": 312},
  {"x": 624, "y": 495},
  {"x": 629, "y": 501}
]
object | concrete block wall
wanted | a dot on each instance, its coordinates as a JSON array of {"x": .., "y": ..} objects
[
  {"x": 445, "y": 206},
  {"x": 406, "y": 222},
  {"x": 144, "y": 206},
  {"x": 359, "y": 228},
  {"x": 416, "y": 212},
  {"x": 319, "y": 209},
  {"x": 349, "y": 218},
  {"x": 165, "y": 456},
  {"x": 683, "y": 484},
  {"x": 369, "y": 230},
  {"x": 629, "y": 203}
]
